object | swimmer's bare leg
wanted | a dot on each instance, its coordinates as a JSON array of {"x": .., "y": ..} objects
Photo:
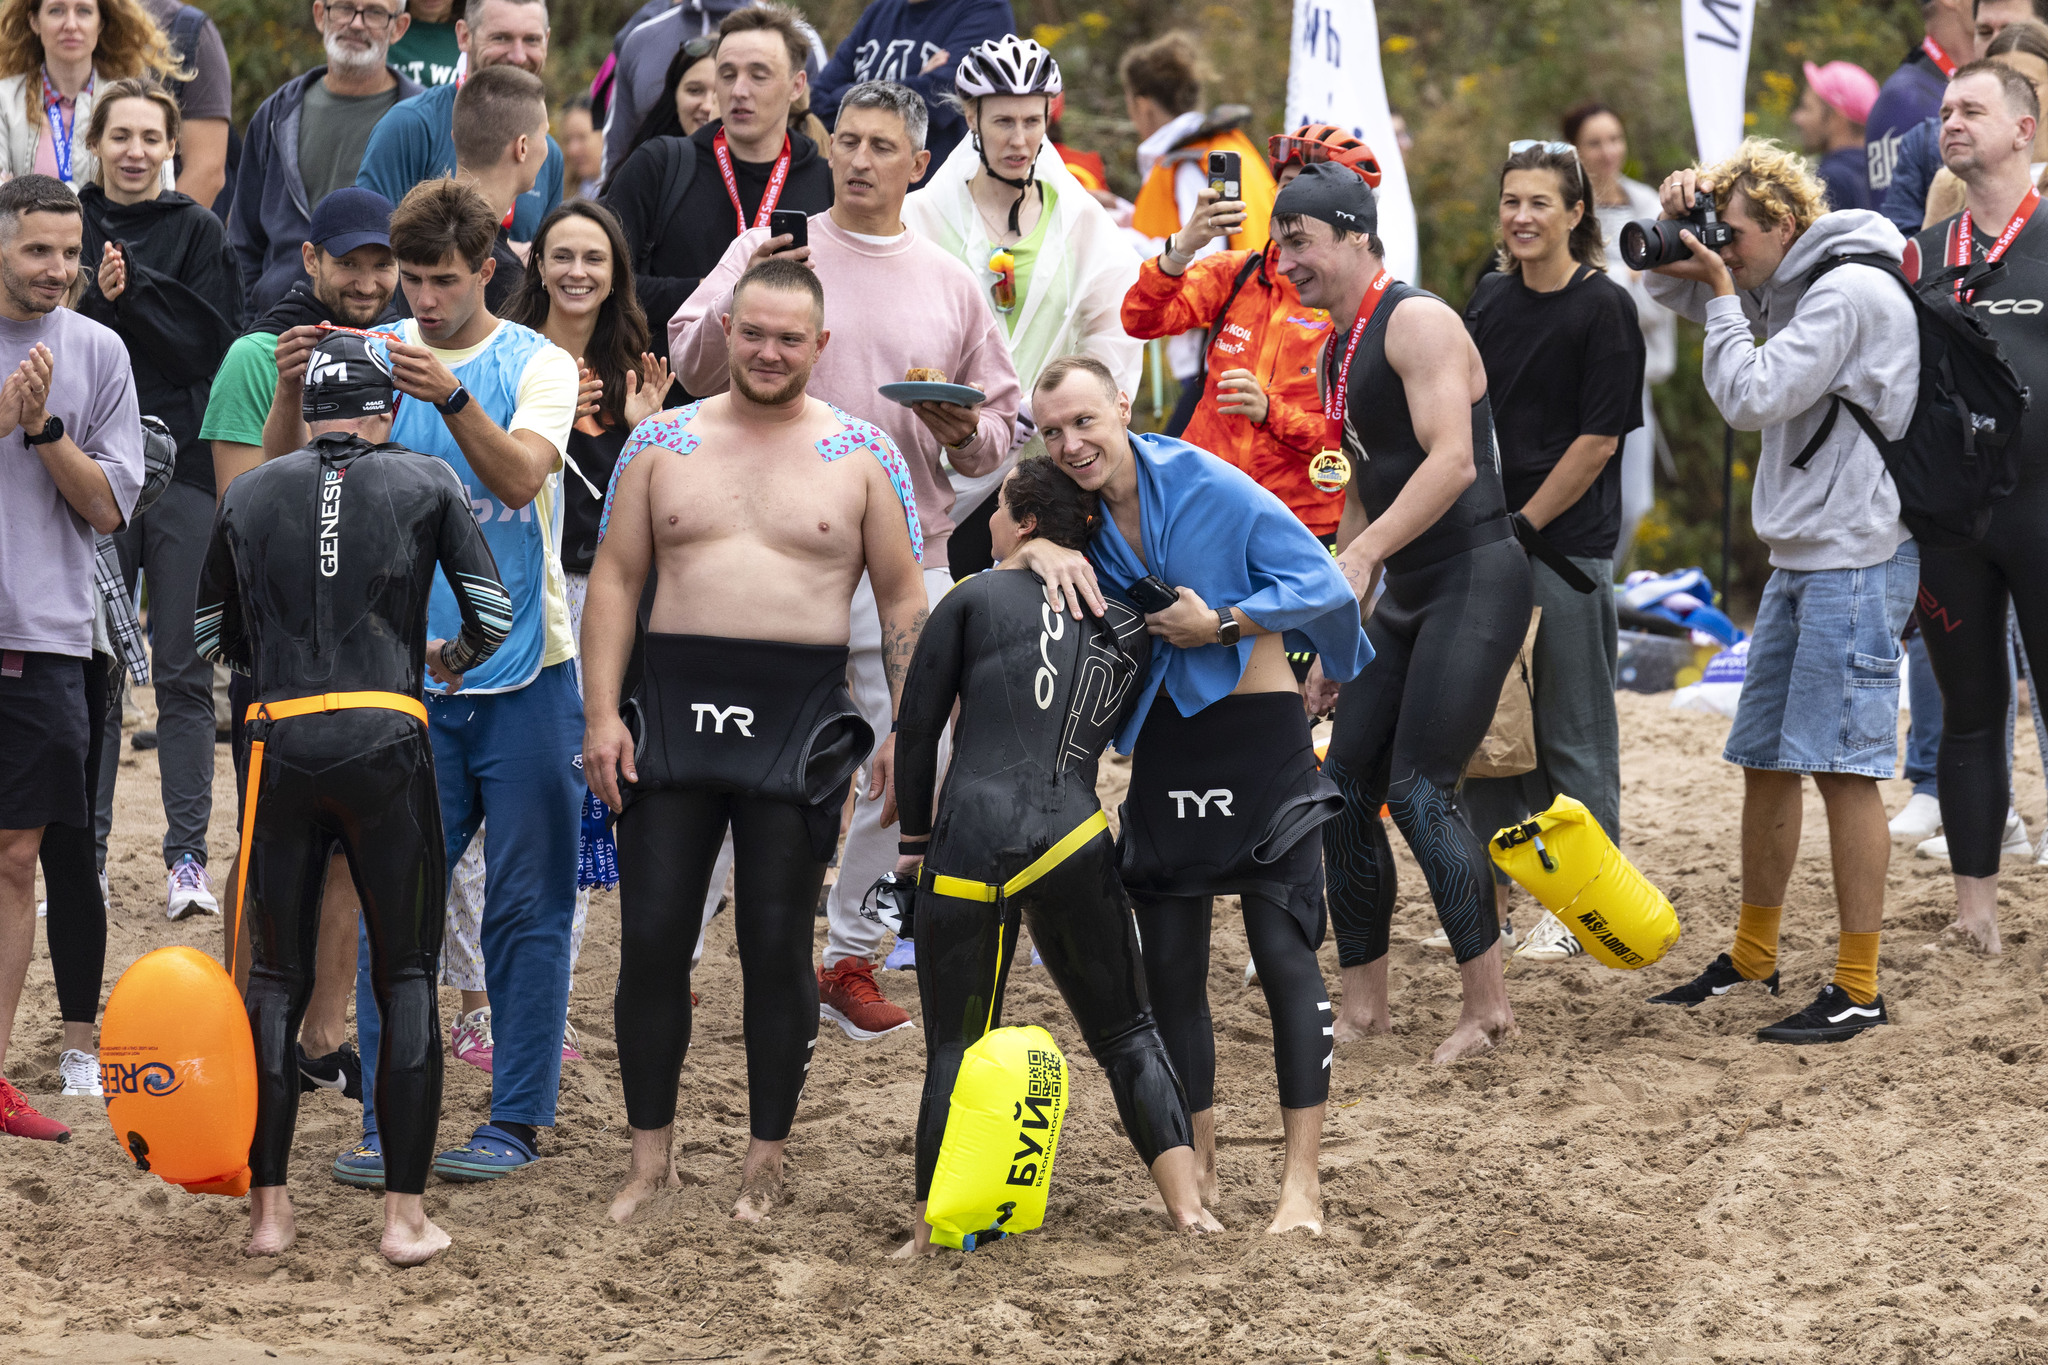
[
  {"x": 271, "y": 1228},
  {"x": 1301, "y": 1189},
  {"x": 410, "y": 1237},
  {"x": 653, "y": 1170},
  {"x": 760, "y": 1181},
  {"x": 1203, "y": 1122},
  {"x": 1362, "y": 1008},
  {"x": 920, "y": 1243},
  {"x": 1178, "y": 1176},
  {"x": 1977, "y": 912},
  {"x": 1486, "y": 1018}
]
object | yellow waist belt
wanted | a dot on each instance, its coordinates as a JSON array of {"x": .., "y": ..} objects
[
  {"x": 285, "y": 710},
  {"x": 961, "y": 888}
]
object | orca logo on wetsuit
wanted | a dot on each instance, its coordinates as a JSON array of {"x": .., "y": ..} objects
[
  {"x": 1055, "y": 626},
  {"x": 2021, "y": 307},
  {"x": 330, "y": 522},
  {"x": 740, "y": 716},
  {"x": 1222, "y": 796}
]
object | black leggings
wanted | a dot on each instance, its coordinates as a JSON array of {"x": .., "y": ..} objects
[
  {"x": 77, "y": 923},
  {"x": 360, "y": 782},
  {"x": 1963, "y": 599},
  {"x": 1080, "y": 923},
  {"x": 1443, "y": 639},
  {"x": 668, "y": 840}
]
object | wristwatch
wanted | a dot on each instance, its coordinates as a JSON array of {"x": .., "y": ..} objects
[
  {"x": 53, "y": 430},
  {"x": 454, "y": 402},
  {"x": 1228, "y": 629}
]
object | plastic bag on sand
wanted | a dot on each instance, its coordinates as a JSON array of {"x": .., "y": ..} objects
[{"x": 1720, "y": 687}]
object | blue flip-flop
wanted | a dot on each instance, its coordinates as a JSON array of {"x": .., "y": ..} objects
[
  {"x": 361, "y": 1166},
  {"x": 491, "y": 1152}
]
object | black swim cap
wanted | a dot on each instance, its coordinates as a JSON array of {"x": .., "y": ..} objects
[
  {"x": 1333, "y": 193},
  {"x": 346, "y": 378}
]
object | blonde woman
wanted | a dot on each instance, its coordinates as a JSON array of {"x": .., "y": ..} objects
[{"x": 54, "y": 57}]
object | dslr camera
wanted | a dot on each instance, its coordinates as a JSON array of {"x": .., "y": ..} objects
[{"x": 1648, "y": 243}]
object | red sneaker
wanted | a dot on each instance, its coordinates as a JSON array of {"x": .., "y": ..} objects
[
  {"x": 848, "y": 996},
  {"x": 18, "y": 1118}
]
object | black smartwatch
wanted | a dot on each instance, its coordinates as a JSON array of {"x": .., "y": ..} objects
[
  {"x": 53, "y": 430},
  {"x": 1228, "y": 628},
  {"x": 454, "y": 402}
]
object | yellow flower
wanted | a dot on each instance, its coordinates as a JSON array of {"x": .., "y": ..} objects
[
  {"x": 1048, "y": 35},
  {"x": 1095, "y": 22},
  {"x": 1398, "y": 43}
]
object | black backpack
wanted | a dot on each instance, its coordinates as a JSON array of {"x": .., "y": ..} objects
[{"x": 1961, "y": 452}]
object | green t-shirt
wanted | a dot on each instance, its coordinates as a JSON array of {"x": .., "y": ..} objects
[
  {"x": 1026, "y": 255},
  {"x": 427, "y": 53},
  {"x": 242, "y": 391},
  {"x": 333, "y": 131}
]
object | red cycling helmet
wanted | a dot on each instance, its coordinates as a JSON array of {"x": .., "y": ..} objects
[{"x": 1313, "y": 142}]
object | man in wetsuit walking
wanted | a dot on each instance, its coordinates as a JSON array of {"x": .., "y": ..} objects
[
  {"x": 316, "y": 585},
  {"x": 1406, "y": 388},
  {"x": 760, "y": 509}
]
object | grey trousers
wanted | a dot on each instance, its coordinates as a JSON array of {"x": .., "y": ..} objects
[
  {"x": 167, "y": 544},
  {"x": 1578, "y": 735}
]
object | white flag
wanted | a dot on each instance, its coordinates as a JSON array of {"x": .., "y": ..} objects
[
  {"x": 1717, "y": 71},
  {"x": 1333, "y": 76}
]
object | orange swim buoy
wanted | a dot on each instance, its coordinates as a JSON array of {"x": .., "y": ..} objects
[{"x": 178, "y": 1064}]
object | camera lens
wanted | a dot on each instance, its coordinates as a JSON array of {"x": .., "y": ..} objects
[{"x": 1648, "y": 243}]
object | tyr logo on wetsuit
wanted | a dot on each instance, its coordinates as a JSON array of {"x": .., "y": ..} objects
[
  {"x": 1222, "y": 796},
  {"x": 740, "y": 716}
]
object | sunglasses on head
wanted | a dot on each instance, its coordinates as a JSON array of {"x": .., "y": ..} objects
[
  {"x": 1530, "y": 143},
  {"x": 697, "y": 49}
]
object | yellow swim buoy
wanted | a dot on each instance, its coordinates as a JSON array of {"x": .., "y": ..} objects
[
  {"x": 1566, "y": 861},
  {"x": 995, "y": 1164},
  {"x": 178, "y": 1064}
]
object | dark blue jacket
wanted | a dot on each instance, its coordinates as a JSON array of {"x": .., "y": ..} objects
[
  {"x": 1910, "y": 96},
  {"x": 892, "y": 41},
  {"x": 270, "y": 216},
  {"x": 1913, "y": 167}
]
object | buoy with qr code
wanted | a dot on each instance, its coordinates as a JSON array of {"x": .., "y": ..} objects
[
  {"x": 1002, "y": 1131},
  {"x": 1566, "y": 861},
  {"x": 178, "y": 1064}
]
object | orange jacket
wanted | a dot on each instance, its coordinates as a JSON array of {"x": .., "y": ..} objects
[{"x": 1268, "y": 332}]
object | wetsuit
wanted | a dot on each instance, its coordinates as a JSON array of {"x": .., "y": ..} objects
[
  {"x": 1040, "y": 695},
  {"x": 1964, "y": 592},
  {"x": 1444, "y": 634},
  {"x": 316, "y": 583}
]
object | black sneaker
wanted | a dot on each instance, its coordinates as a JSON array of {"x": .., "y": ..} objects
[
  {"x": 1719, "y": 978},
  {"x": 1832, "y": 1018},
  {"x": 339, "y": 1070}
]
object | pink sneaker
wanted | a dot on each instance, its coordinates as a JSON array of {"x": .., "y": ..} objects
[{"x": 470, "y": 1039}]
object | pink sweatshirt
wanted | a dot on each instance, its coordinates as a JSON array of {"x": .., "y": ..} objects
[{"x": 889, "y": 308}]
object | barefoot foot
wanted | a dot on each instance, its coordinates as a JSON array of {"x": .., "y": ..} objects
[
  {"x": 653, "y": 1170},
  {"x": 1354, "y": 1024},
  {"x": 910, "y": 1251},
  {"x": 760, "y": 1181},
  {"x": 1472, "y": 1037},
  {"x": 638, "y": 1189},
  {"x": 1203, "y": 1221},
  {"x": 1297, "y": 1213},
  {"x": 413, "y": 1244},
  {"x": 271, "y": 1225}
]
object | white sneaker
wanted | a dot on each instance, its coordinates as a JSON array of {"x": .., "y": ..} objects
[
  {"x": 1550, "y": 941},
  {"x": 81, "y": 1072},
  {"x": 1921, "y": 819},
  {"x": 2016, "y": 844},
  {"x": 191, "y": 890},
  {"x": 2041, "y": 853},
  {"x": 1251, "y": 972}
]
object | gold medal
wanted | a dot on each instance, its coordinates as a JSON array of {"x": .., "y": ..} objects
[{"x": 1330, "y": 471}]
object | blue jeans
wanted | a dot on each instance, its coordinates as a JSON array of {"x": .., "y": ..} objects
[
  {"x": 515, "y": 757},
  {"x": 1820, "y": 691},
  {"x": 1923, "y": 731}
]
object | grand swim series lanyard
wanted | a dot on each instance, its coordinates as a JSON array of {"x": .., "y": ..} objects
[
  {"x": 1333, "y": 401},
  {"x": 1941, "y": 60},
  {"x": 1961, "y": 243},
  {"x": 769, "y": 196},
  {"x": 60, "y": 131}
]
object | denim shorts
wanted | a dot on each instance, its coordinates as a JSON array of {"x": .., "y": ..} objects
[{"x": 1820, "y": 693}]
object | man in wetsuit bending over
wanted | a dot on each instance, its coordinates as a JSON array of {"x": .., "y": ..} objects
[
  {"x": 1407, "y": 390},
  {"x": 316, "y": 586},
  {"x": 760, "y": 509}
]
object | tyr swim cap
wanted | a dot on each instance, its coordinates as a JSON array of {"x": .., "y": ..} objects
[
  {"x": 1333, "y": 193},
  {"x": 347, "y": 378}
]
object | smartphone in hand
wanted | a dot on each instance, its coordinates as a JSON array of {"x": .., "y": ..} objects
[
  {"x": 792, "y": 223},
  {"x": 1224, "y": 177}
]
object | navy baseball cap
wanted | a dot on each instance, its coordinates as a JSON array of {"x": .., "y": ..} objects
[
  {"x": 1333, "y": 193},
  {"x": 348, "y": 218}
]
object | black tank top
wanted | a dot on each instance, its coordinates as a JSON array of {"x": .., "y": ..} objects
[
  {"x": 2010, "y": 306},
  {"x": 1380, "y": 442},
  {"x": 1041, "y": 694}
]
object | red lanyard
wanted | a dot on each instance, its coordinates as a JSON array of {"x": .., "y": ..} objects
[
  {"x": 1961, "y": 244},
  {"x": 769, "y": 196},
  {"x": 1333, "y": 401},
  {"x": 1938, "y": 57}
]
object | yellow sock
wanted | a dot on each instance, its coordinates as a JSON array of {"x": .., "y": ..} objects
[
  {"x": 1755, "y": 953},
  {"x": 1856, "y": 967}
]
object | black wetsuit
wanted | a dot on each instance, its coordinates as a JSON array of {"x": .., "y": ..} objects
[
  {"x": 761, "y": 736},
  {"x": 1964, "y": 593},
  {"x": 1040, "y": 695},
  {"x": 317, "y": 582},
  {"x": 1444, "y": 635}
]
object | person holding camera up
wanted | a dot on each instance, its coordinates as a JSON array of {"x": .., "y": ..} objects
[{"x": 1736, "y": 248}]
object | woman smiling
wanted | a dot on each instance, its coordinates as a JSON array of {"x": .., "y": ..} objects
[{"x": 55, "y": 57}]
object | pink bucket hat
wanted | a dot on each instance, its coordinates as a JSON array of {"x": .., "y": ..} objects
[{"x": 1844, "y": 87}]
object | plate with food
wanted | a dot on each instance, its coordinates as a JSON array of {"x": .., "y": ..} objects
[{"x": 921, "y": 385}]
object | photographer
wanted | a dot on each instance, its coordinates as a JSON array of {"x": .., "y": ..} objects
[{"x": 1822, "y": 690}]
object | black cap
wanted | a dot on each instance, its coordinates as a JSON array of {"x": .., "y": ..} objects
[
  {"x": 347, "y": 378},
  {"x": 1333, "y": 193},
  {"x": 348, "y": 218}
]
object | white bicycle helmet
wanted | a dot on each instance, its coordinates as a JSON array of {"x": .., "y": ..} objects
[{"x": 1009, "y": 65}]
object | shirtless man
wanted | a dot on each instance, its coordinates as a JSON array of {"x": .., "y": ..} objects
[{"x": 743, "y": 715}]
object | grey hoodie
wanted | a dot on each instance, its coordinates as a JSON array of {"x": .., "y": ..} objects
[{"x": 1853, "y": 334}]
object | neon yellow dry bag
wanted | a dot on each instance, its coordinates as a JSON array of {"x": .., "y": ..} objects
[
  {"x": 1566, "y": 861},
  {"x": 995, "y": 1164}
]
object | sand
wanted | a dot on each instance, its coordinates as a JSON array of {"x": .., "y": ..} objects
[{"x": 1619, "y": 1183}]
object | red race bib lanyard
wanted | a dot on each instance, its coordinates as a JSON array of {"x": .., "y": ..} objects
[
  {"x": 1940, "y": 59},
  {"x": 1962, "y": 244},
  {"x": 769, "y": 197},
  {"x": 1333, "y": 401}
]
